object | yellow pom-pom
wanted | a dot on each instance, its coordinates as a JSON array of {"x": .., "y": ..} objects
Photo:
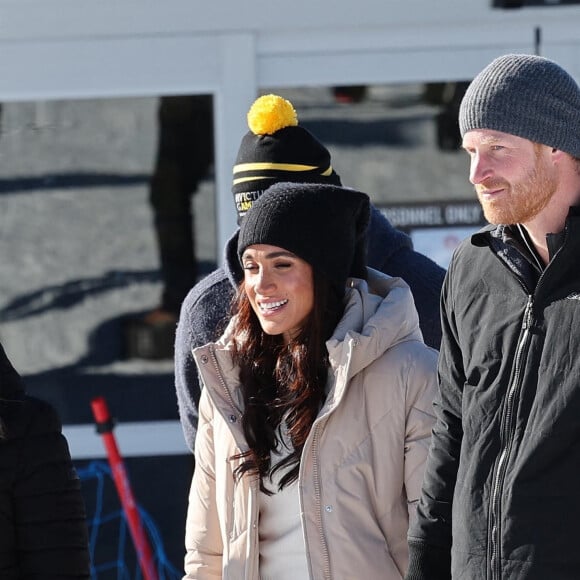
[{"x": 269, "y": 114}]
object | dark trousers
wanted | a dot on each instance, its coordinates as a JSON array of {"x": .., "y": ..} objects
[{"x": 185, "y": 152}]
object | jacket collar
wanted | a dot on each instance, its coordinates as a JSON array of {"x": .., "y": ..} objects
[{"x": 506, "y": 243}]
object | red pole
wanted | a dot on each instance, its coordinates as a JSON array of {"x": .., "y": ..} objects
[{"x": 140, "y": 541}]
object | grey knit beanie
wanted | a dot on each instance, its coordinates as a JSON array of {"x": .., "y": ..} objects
[
  {"x": 527, "y": 96},
  {"x": 323, "y": 224}
]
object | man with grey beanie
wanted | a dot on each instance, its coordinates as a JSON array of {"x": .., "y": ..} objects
[{"x": 500, "y": 495}]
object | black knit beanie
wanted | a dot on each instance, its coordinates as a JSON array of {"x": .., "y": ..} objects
[
  {"x": 325, "y": 225},
  {"x": 527, "y": 96},
  {"x": 277, "y": 149}
]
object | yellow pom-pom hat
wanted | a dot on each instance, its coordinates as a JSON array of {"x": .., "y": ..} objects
[
  {"x": 277, "y": 149},
  {"x": 271, "y": 113}
]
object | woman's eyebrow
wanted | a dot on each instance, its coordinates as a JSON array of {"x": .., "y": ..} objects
[
  {"x": 271, "y": 255},
  {"x": 280, "y": 254}
]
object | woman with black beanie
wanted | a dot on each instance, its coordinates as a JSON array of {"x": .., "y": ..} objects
[{"x": 315, "y": 415}]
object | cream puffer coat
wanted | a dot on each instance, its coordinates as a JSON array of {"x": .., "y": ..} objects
[{"x": 362, "y": 465}]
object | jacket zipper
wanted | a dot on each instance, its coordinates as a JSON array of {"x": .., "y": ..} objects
[
  {"x": 250, "y": 568},
  {"x": 507, "y": 436},
  {"x": 318, "y": 496},
  {"x": 318, "y": 488},
  {"x": 253, "y": 539}
]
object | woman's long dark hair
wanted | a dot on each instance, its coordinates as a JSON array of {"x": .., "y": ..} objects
[{"x": 282, "y": 382}]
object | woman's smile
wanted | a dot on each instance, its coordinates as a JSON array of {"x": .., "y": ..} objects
[{"x": 272, "y": 306}]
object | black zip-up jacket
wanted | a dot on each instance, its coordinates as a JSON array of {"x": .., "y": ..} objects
[{"x": 501, "y": 494}]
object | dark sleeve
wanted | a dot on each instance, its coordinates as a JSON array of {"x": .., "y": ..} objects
[
  {"x": 203, "y": 315},
  {"x": 391, "y": 251},
  {"x": 50, "y": 529},
  {"x": 425, "y": 278},
  {"x": 431, "y": 534},
  {"x": 428, "y": 562}
]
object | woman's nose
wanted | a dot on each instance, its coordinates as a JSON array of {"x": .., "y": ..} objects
[{"x": 264, "y": 280}]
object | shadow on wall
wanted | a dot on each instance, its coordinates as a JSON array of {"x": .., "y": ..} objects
[
  {"x": 70, "y": 181},
  {"x": 67, "y": 295}
]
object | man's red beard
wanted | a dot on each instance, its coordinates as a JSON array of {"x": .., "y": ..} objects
[{"x": 519, "y": 202}]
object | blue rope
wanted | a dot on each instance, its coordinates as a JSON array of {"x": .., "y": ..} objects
[{"x": 100, "y": 472}]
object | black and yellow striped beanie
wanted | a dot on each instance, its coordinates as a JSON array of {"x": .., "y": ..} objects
[{"x": 277, "y": 149}]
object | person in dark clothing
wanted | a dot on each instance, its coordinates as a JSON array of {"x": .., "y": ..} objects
[
  {"x": 43, "y": 529},
  {"x": 500, "y": 495},
  {"x": 277, "y": 149},
  {"x": 185, "y": 153}
]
